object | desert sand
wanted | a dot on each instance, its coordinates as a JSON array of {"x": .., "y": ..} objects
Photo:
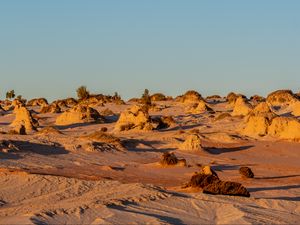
[{"x": 79, "y": 165}]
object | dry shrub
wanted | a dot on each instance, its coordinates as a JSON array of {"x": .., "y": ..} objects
[
  {"x": 211, "y": 184},
  {"x": 246, "y": 172},
  {"x": 170, "y": 159},
  {"x": 103, "y": 129}
]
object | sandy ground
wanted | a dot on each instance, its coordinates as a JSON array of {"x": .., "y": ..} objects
[{"x": 52, "y": 179}]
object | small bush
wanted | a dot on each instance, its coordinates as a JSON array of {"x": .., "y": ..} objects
[
  {"x": 103, "y": 129},
  {"x": 82, "y": 92}
]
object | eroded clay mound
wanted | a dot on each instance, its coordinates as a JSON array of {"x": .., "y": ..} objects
[
  {"x": 232, "y": 97},
  {"x": 136, "y": 117},
  {"x": 79, "y": 114},
  {"x": 190, "y": 97},
  {"x": 191, "y": 143},
  {"x": 295, "y": 108},
  {"x": 24, "y": 119},
  {"x": 241, "y": 107},
  {"x": 258, "y": 121},
  {"x": 200, "y": 107},
  {"x": 37, "y": 102},
  {"x": 53, "y": 108},
  {"x": 285, "y": 128},
  {"x": 282, "y": 97}
]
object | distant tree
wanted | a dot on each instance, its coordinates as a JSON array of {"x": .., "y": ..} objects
[
  {"x": 10, "y": 94},
  {"x": 117, "y": 96},
  {"x": 82, "y": 92},
  {"x": 146, "y": 98}
]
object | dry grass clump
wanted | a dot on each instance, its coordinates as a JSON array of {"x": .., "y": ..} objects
[
  {"x": 211, "y": 184},
  {"x": 170, "y": 159},
  {"x": 246, "y": 172},
  {"x": 103, "y": 129},
  {"x": 213, "y": 97}
]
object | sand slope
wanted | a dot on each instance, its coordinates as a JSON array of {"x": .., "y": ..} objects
[{"x": 40, "y": 199}]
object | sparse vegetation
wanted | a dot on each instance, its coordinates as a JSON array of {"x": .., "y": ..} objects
[
  {"x": 83, "y": 93},
  {"x": 146, "y": 99},
  {"x": 10, "y": 94}
]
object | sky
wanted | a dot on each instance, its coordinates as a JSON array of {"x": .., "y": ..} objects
[{"x": 49, "y": 48}]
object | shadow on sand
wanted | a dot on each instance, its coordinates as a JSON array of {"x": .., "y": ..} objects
[
  {"x": 217, "y": 151},
  {"x": 132, "y": 145},
  {"x": 277, "y": 177},
  {"x": 76, "y": 125},
  {"x": 229, "y": 167},
  {"x": 287, "y": 187},
  {"x": 161, "y": 218},
  {"x": 42, "y": 149},
  {"x": 9, "y": 155}
]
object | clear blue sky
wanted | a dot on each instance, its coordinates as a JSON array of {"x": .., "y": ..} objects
[{"x": 49, "y": 48}]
